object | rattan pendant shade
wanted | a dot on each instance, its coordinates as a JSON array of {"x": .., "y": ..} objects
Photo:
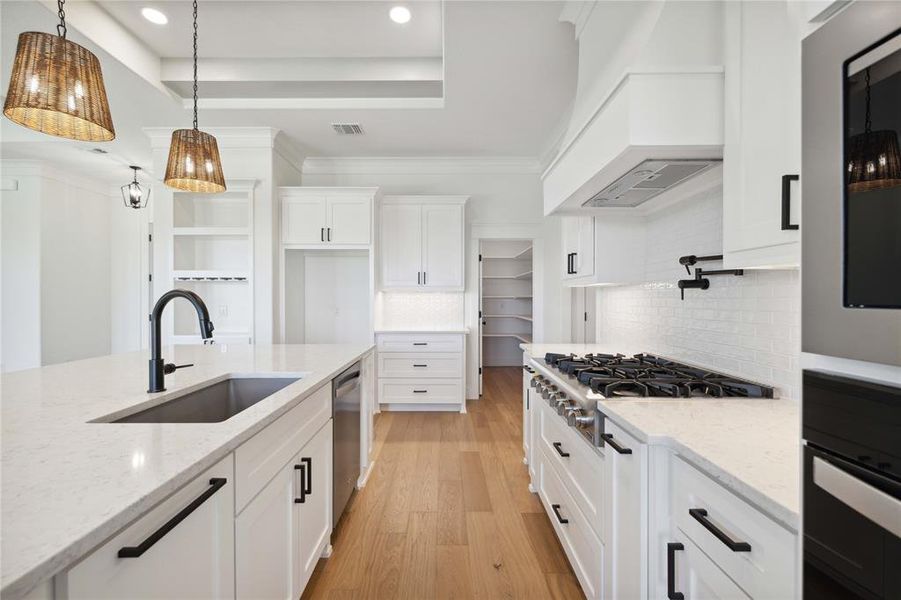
[
  {"x": 194, "y": 164},
  {"x": 874, "y": 158},
  {"x": 57, "y": 88}
]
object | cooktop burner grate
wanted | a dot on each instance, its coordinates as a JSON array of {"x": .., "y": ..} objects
[{"x": 616, "y": 375}]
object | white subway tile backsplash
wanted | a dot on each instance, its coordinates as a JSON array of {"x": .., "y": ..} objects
[
  {"x": 748, "y": 326},
  {"x": 396, "y": 310}
]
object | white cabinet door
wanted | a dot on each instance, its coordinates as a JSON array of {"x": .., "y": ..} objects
[
  {"x": 315, "y": 507},
  {"x": 762, "y": 135},
  {"x": 583, "y": 264},
  {"x": 570, "y": 243},
  {"x": 349, "y": 219},
  {"x": 626, "y": 526},
  {"x": 304, "y": 220},
  {"x": 696, "y": 576},
  {"x": 193, "y": 559},
  {"x": 401, "y": 243},
  {"x": 442, "y": 246},
  {"x": 266, "y": 561}
]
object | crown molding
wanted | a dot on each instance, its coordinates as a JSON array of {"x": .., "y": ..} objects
[
  {"x": 226, "y": 137},
  {"x": 420, "y": 165},
  {"x": 13, "y": 169}
]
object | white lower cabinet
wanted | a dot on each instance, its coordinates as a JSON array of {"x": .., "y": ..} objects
[
  {"x": 315, "y": 508},
  {"x": 425, "y": 369},
  {"x": 282, "y": 533},
  {"x": 182, "y": 548},
  {"x": 626, "y": 526},
  {"x": 266, "y": 534},
  {"x": 691, "y": 575}
]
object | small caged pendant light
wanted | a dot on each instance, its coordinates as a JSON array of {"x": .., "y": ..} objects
[
  {"x": 57, "y": 87},
  {"x": 134, "y": 195},
  {"x": 874, "y": 158},
  {"x": 194, "y": 164}
]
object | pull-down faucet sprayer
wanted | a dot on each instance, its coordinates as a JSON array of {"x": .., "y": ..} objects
[{"x": 158, "y": 368}]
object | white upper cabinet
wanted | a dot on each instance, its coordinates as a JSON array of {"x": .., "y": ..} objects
[
  {"x": 442, "y": 245},
  {"x": 400, "y": 245},
  {"x": 762, "y": 153},
  {"x": 421, "y": 242},
  {"x": 327, "y": 216},
  {"x": 608, "y": 249}
]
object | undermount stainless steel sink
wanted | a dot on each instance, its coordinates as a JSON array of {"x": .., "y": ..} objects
[{"x": 212, "y": 404}]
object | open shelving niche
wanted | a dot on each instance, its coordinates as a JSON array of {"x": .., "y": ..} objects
[
  {"x": 212, "y": 255},
  {"x": 506, "y": 301}
]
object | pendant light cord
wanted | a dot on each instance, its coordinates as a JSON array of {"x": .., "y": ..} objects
[
  {"x": 868, "y": 125},
  {"x": 195, "y": 64},
  {"x": 61, "y": 28}
]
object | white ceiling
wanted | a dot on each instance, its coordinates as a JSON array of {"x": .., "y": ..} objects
[
  {"x": 510, "y": 77},
  {"x": 265, "y": 29}
]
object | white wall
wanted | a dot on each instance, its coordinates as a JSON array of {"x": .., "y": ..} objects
[
  {"x": 748, "y": 326},
  {"x": 57, "y": 248}
]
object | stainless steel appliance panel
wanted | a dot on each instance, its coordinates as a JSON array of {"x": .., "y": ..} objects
[
  {"x": 828, "y": 327},
  {"x": 346, "y": 401}
]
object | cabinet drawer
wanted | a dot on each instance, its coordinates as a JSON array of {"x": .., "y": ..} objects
[
  {"x": 767, "y": 569},
  {"x": 428, "y": 364},
  {"x": 583, "y": 471},
  {"x": 584, "y": 550},
  {"x": 194, "y": 559},
  {"x": 412, "y": 391},
  {"x": 426, "y": 342},
  {"x": 258, "y": 459}
]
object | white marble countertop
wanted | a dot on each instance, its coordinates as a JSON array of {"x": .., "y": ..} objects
[
  {"x": 752, "y": 446},
  {"x": 68, "y": 484}
]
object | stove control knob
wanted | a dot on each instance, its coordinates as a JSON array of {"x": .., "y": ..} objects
[
  {"x": 548, "y": 390},
  {"x": 577, "y": 418},
  {"x": 536, "y": 380},
  {"x": 563, "y": 405}
]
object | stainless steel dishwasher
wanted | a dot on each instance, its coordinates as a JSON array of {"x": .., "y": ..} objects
[{"x": 346, "y": 394}]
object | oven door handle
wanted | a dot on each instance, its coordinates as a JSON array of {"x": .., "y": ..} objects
[{"x": 871, "y": 502}]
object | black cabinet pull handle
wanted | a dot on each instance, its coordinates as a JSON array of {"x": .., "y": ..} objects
[
  {"x": 556, "y": 509},
  {"x": 308, "y": 471},
  {"x": 671, "y": 592},
  {"x": 700, "y": 515},
  {"x": 786, "y": 202},
  {"x": 558, "y": 448},
  {"x": 420, "y": 343},
  {"x": 575, "y": 270},
  {"x": 608, "y": 437},
  {"x": 420, "y": 365},
  {"x": 135, "y": 551},
  {"x": 328, "y": 234},
  {"x": 569, "y": 263},
  {"x": 303, "y": 483},
  {"x": 322, "y": 234},
  {"x": 423, "y": 277},
  {"x": 418, "y": 277},
  {"x": 420, "y": 391}
]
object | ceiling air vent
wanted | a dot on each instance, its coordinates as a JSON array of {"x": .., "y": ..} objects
[{"x": 347, "y": 128}]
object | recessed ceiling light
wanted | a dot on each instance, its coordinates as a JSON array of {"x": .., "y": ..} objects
[
  {"x": 154, "y": 16},
  {"x": 400, "y": 14}
]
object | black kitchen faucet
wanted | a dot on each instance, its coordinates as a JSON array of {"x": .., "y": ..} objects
[{"x": 158, "y": 368}]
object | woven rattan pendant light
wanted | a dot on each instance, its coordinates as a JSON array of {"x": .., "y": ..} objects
[
  {"x": 874, "y": 158},
  {"x": 194, "y": 164},
  {"x": 57, "y": 88}
]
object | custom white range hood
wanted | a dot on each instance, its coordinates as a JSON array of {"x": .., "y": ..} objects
[{"x": 649, "y": 109}]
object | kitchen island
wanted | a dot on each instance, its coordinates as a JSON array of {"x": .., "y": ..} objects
[{"x": 70, "y": 482}]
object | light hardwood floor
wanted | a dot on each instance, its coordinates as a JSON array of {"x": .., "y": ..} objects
[{"x": 447, "y": 512}]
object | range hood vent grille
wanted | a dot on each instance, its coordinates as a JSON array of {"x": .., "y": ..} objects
[
  {"x": 347, "y": 128},
  {"x": 646, "y": 180}
]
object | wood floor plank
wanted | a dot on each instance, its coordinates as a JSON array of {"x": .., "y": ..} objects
[
  {"x": 453, "y": 579},
  {"x": 475, "y": 490},
  {"x": 446, "y": 512},
  {"x": 544, "y": 543}
]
